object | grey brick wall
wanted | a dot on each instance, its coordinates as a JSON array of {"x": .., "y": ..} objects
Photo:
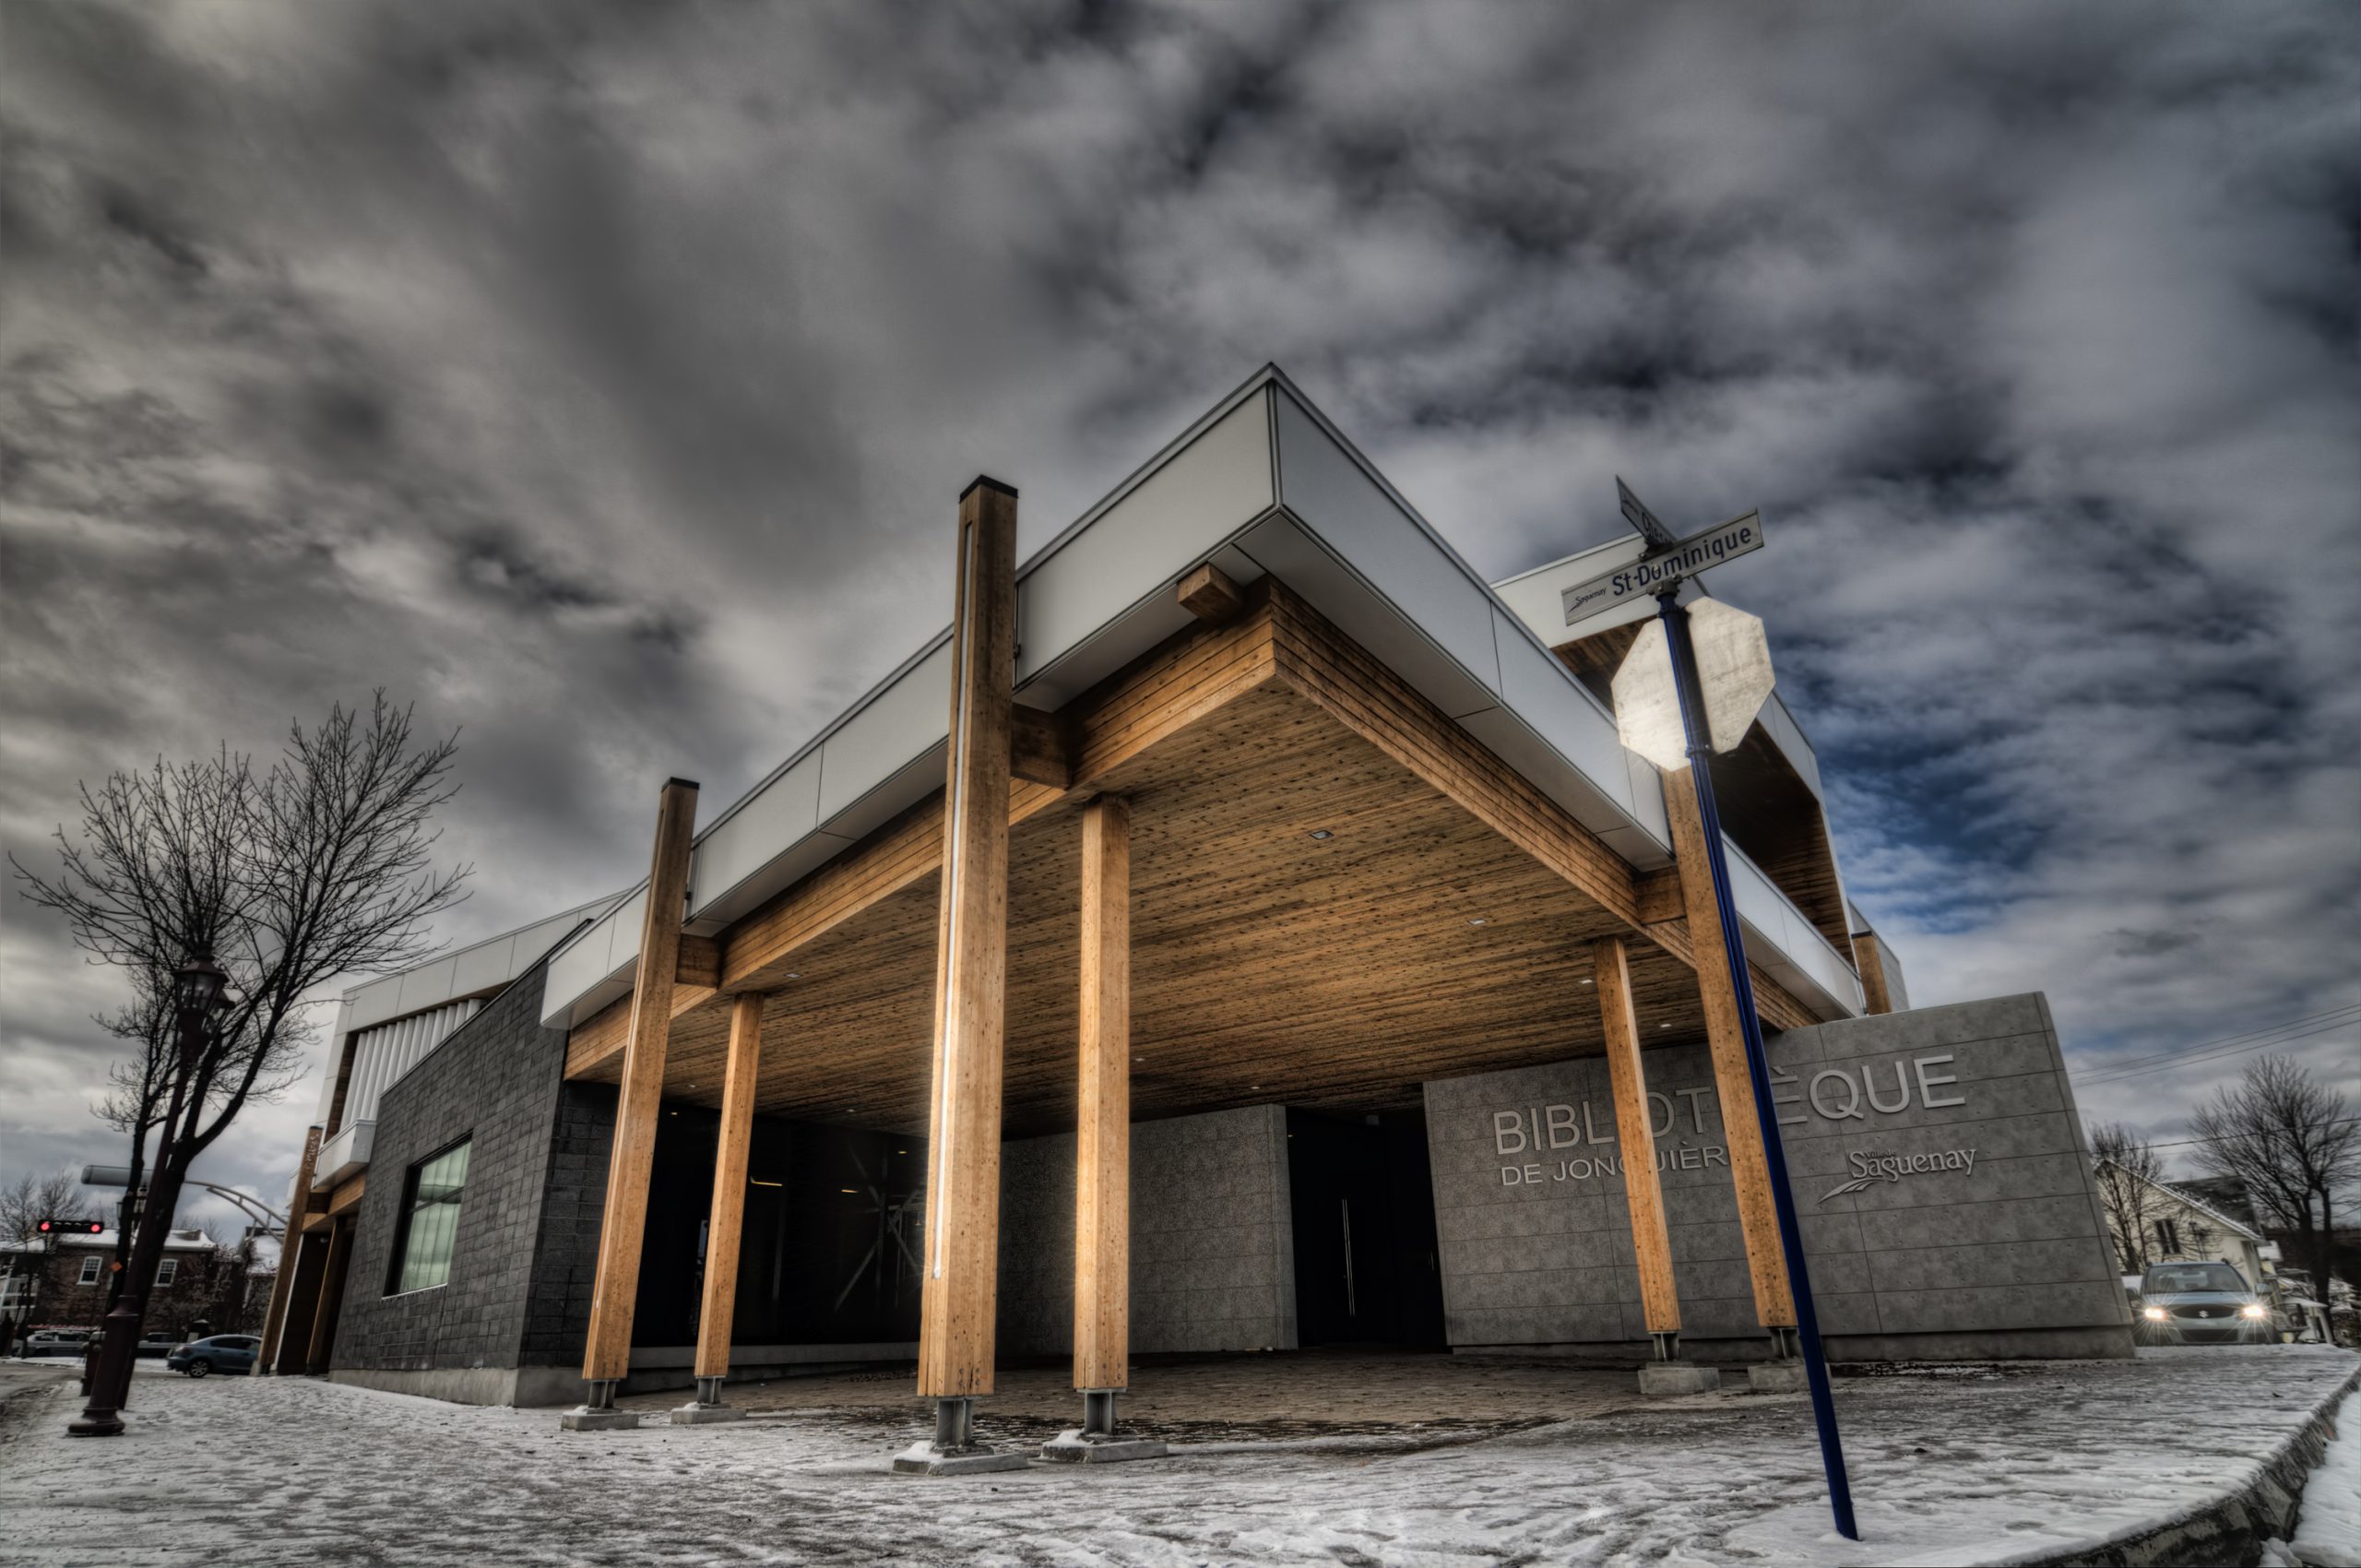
[
  {"x": 496, "y": 1081},
  {"x": 1212, "y": 1245},
  {"x": 2005, "y": 1256},
  {"x": 565, "y": 1262}
]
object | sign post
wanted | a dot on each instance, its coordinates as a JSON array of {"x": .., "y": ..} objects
[{"x": 1660, "y": 572}]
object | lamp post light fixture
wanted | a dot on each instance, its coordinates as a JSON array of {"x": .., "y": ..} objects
[{"x": 197, "y": 992}]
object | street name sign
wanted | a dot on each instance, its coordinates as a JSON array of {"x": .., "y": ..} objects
[
  {"x": 1636, "y": 513},
  {"x": 1664, "y": 565}
]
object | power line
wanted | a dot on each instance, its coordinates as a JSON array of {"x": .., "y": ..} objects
[
  {"x": 2108, "y": 1076},
  {"x": 2181, "y": 1051},
  {"x": 2309, "y": 1127},
  {"x": 2233, "y": 1045}
]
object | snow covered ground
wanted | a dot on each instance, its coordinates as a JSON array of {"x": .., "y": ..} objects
[
  {"x": 2328, "y": 1529},
  {"x": 1948, "y": 1467}
]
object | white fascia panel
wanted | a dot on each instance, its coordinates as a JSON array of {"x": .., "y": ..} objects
[
  {"x": 429, "y": 984},
  {"x": 1297, "y": 557},
  {"x": 1788, "y": 946},
  {"x": 1536, "y": 596},
  {"x": 1546, "y": 695},
  {"x": 483, "y": 966},
  {"x": 1139, "y": 545},
  {"x": 804, "y": 855},
  {"x": 592, "y": 958},
  {"x": 899, "y": 722},
  {"x": 1321, "y": 483},
  {"x": 374, "y": 1002},
  {"x": 783, "y": 810},
  {"x": 895, "y": 793},
  {"x": 1643, "y": 852}
]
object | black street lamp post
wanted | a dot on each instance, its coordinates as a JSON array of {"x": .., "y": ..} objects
[{"x": 196, "y": 991}]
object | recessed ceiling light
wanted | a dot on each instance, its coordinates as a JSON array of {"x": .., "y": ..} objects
[
  {"x": 1585, "y": 982},
  {"x": 1478, "y": 919},
  {"x": 1321, "y": 834},
  {"x": 849, "y": 1192},
  {"x": 793, "y": 974},
  {"x": 1664, "y": 1026},
  {"x": 1255, "y": 1086}
]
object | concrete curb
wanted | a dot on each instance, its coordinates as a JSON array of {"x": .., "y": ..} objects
[{"x": 2230, "y": 1528}]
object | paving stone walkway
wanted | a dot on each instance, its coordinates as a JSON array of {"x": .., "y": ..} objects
[
  {"x": 1269, "y": 1396},
  {"x": 2003, "y": 1464}
]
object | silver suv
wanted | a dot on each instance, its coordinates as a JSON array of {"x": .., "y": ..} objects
[{"x": 2202, "y": 1303}]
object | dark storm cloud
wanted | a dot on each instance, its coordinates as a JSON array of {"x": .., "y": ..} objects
[{"x": 598, "y": 377}]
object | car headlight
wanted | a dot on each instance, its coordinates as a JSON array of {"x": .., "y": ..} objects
[
  {"x": 2254, "y": 1308},
  {"x": 2154, "y": 1314}
]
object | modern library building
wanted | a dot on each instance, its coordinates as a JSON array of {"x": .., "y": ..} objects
[{"x": 1240, "y": 931}]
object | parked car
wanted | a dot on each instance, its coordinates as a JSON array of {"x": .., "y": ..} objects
[
  {"x": 53, "y": 1342},
  {"x": 222, "y": 1353},
  {"x": 158, "y": 1342},
  {"x": 2203, "y": 1304}
]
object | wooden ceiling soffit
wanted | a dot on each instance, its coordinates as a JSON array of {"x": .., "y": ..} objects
[
  {"x": 1280, "y": 639},
  {"x": 1326, "y": 666},
  {"x": 1180, "y": 683},
  {"x": 1322, "y": 662}
]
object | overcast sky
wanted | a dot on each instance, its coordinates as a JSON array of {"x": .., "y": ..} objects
[{"x": 601, "y": 377}]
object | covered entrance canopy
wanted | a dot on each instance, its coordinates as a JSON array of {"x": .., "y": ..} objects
[
  {"x": 1415, "y": 939},
  {"x": 1369, "y": 831}
]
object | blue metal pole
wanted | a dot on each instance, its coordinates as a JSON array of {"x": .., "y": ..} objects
[{"x": 1758, "y": 1063}]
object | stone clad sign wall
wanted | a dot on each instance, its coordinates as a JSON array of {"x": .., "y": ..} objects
[{"x": 1939, "y": 1168}]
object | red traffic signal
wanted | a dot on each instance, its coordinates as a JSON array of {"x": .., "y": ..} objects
[{"x": 71, "y": 1227}]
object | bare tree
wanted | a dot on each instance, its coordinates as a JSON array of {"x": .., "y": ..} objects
[
  {"x": 31, "y": 1199},
  {"x": 2127, "y": 1170},
  {"x": 140, "y": 1086},
  {"x": 2295, "y": 1145},
  {"x": 319, "y": 868}
]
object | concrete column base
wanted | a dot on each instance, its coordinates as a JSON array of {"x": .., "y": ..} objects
[
  {"x": 583, "y": 1419},
  {"x": 695, "y": 1415},
  {"x": 1776, "y": 1377},
  {"x": 1074, "y": 1447},
  {"x": 1666, "y": 1380},
  {"x": 926, "y": 1459}
]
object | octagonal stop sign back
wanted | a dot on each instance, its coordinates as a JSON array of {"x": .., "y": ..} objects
[{"x": 1733, "y": 666}]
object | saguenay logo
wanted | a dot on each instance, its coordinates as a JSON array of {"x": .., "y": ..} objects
[{"x": 1869, "y": 1169}]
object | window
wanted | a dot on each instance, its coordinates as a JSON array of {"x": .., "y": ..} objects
[
  {"x": 2168, "y": 1236},
  {"x": 92, "y": 1266},
  {"x": 167, "y": 1271},
  {"x": 429, "y": 1221}
]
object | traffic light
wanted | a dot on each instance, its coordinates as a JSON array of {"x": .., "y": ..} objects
[{"x": 71, "y": 1227}]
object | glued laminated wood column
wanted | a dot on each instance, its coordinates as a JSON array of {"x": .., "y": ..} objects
[
  {"x": 958, "y": 1300},
  {"x": 714, "y": 1317},
  {"x": 1102, "y": 1228},
  {"x": 1871, "y": 955},
  {"x": 616, "y": 1292},
  {"x": 1732, "y": 1086},
  {"x": 322, "y": 1348},
  {"x": 1611, "y": 978},
  {"x": 274, "y": 1323}
]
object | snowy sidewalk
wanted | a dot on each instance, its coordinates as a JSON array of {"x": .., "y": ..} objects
[{"x": 1948, "y": 1468}]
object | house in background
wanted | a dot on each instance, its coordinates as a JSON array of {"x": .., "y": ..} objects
[
  {"x": 2177, "y": 1226},
  {"x": 61, "y": 1282}
]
